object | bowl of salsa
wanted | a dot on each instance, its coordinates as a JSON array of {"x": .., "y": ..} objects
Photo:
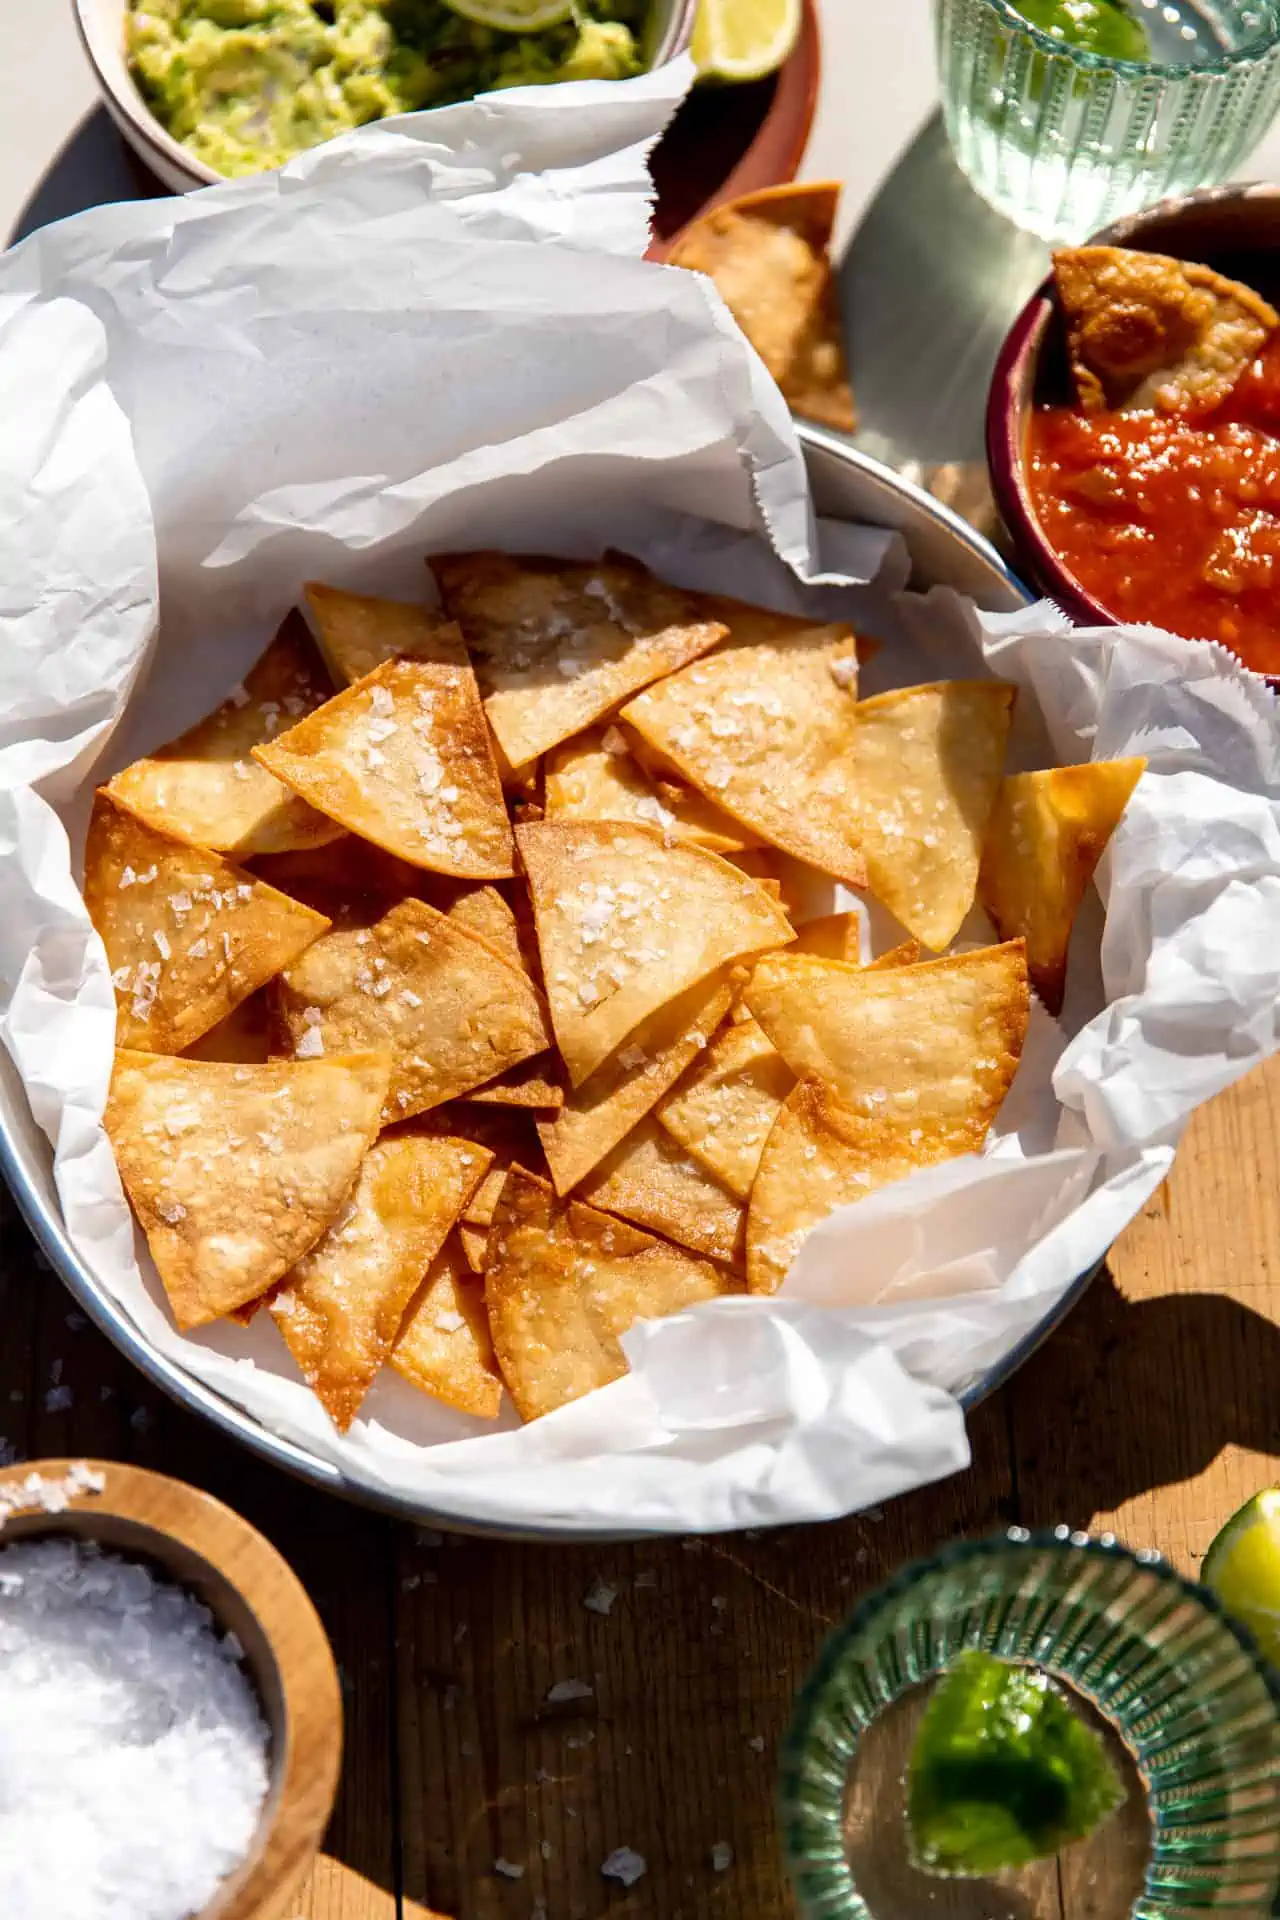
[{"x": 1134, "y": 493}]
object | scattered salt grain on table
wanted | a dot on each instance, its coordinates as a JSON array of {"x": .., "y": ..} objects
[
  {"x": 133, "y": 1756},
  {"x": 626, "y": 1865},
  {"x": 565, "y": 1690}
]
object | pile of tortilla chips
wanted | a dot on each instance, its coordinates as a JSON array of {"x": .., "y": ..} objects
[{"x": 463, "y": 1020}]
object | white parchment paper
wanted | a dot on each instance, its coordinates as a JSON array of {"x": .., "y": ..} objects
[{"x": 436, "y": 333}]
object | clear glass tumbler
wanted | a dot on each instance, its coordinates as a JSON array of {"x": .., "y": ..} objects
[
  {"x": 1062, "y": 141},
  {"x": 1187, "y": 1707}
]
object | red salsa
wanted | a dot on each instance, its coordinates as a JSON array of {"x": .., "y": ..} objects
[{"x": 1173, "y": 519}]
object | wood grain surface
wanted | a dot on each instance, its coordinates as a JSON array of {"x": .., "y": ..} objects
[{"x": 1154, "y": 1411}]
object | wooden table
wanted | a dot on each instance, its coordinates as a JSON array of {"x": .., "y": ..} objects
[{"x": 1154, "y": 1411}]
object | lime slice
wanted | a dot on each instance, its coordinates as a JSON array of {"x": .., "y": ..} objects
[
  {"x": 1003, "y": 1772},
  {"x": 1242, "y": 1568},
  {"x": 744, "y": 39},
  {"x": 1092, "y": 26},
  {"x": 513, "y": 16}
]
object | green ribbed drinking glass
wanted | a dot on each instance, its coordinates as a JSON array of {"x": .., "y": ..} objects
[
  {"x": 1063, "y": 139},
  {"x": 1188, "y": 1709}
]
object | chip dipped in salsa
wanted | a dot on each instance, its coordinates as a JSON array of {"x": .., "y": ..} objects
[{"x": 1160, "y": 492}]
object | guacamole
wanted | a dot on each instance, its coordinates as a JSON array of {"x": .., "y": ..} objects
[{"x": 245, "y": 84}]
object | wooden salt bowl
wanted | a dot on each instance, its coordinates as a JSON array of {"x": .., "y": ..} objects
[{"x": 251, "y": 1592}]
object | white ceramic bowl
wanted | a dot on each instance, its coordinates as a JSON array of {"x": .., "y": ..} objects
[{"x": 101, "y": 24}]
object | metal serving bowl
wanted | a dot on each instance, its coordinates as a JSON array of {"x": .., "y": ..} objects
[
  {"x": 101, "y": 24},
  {"x": 847, "y": 485},
  {"x": 1233, "y": 229}
]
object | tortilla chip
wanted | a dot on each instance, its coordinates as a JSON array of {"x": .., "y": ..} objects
[
  {"x": 484, "y": 1204},
  {"x": 342, "y": 878},
  {"x": 403, "y": 758},
  {"x": 651, "y": 1180},
  {"x": 235, "y": 1172},
  {"x": 450, "y": 1013},
  {"x": 617, "y": 1096},
  {"x": 595, "y": 777},
  {"x": 924, "y": 1047},
  {"x": 340, "y": 1309},
  {"x": 206, "y": 786},
  {"x": 625, "y": 923},
  {"x": 488, "y": 917},
  {"x": 1147, "y": 333},
  {"x": 563, "y": 1284},
  {"x": 244, "y": 1038},
  {"x": 484, "y": 913},
  {"x": 528, "y": 1085},
  {"x": 821, "y": 1156},
  {"x": 765, "y": 729},
  {"x": 904, "y": 955},
  {"x": 188, "y": 936},
  {"x": 505, "y": 1133},
  {"x": 926, "y": 771},
  {"x": 444, "y": 1346},
  {"x": 833, "y": 936},
  {"x": 768, "y": 255},
  {"x": 723, "y": 1109},
  {"x": 1045, "y": 839},
  {"x": 762, "y": 865},
  {"x": 523, "y": 785},
  {"x": 474, "y": 1241},
  {"x": 557, "y": 645},
  {"x": 359, "y": 633}
]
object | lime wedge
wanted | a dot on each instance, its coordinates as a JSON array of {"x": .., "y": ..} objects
[
  {"x": 744, "y": 39},
  {"x": 1002, "y": 1772},
  {"x": 1091, "y": 26},
  {"x": 1242, "y": 1568},
  {"x": 513, "y": 16}
]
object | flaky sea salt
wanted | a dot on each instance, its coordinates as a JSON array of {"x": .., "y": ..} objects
[
  {"x": 626, "y": 1865},
  {"x": 133, "y": 1756},
  {"x": 566, "y": 1690}
]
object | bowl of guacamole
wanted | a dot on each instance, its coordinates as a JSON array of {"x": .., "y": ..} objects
[{"x": 213, "y": 89}]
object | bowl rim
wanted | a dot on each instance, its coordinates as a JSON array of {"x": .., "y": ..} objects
[
  {"x": 1005, "y": 429},
  {"x": 1006, "y": 437},
  {"x": 1087, "y": 61},
  {"x": 122, "y": 94},
  {"x": 307, "y": 1757}
]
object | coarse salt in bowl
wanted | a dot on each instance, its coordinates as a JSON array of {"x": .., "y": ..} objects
[
  {"x": 170, "y": 1723},
  {"x": 133, "y": 1753}
]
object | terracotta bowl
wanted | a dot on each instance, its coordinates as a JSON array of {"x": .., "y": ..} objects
[
  {"x": 1234, "y": 229},
  {"x": 201, "y": 1545}
]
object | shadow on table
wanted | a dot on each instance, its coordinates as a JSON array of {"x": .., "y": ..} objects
[
  {"x": 931, "y": 282},
  {"x": 1131, "y": 1395},
  {"x": 94, "y": 167}
]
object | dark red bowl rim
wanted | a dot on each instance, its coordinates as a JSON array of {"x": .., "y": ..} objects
[{"x": 1005, "y": 434}]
